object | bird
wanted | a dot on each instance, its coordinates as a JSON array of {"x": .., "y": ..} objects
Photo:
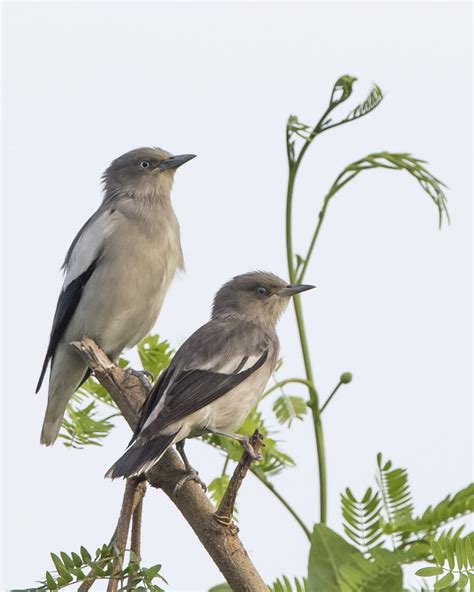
[
  {"x": 117, "y": 272},
  {"x": 215, "y": 378}
]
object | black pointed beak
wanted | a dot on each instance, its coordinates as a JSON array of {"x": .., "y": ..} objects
[
  {"x": 175, "y": 161},
  {"x": 294, "y": 289}
]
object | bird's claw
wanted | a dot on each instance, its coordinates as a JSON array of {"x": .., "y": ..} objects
[
  {"x": 256, "y": 456},
  {"x": 144, "y": 376},
  {"x": 191, "y": 475}
]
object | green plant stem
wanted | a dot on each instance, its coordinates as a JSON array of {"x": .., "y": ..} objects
[
  {"x": 313, "y": 394},
  {"x": 328, "y": 400},
  {"x": 314, "y": 405},
  {"x": 282, "y": 383},
  {"x": 224, "y": 468},
  {"x": 278, "y": 495}
]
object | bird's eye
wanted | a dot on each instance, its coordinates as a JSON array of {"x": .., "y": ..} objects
[
  {"x": 144, "y": 164},
  {"x": 261, "y": 291}
]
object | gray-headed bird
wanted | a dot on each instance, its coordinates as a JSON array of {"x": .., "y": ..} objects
[
  {"x": 117, "y": 272},
  {"x": 216, "y": 377}
]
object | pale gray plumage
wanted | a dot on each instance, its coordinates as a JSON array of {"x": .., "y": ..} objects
[
  {"x": 117, "y": 271},
  {"x": 217, "y": 376}
]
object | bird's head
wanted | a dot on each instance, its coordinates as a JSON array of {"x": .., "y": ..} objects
[
  {"x": 143, "y": 172},
  {"x": 258, "y": 296}
]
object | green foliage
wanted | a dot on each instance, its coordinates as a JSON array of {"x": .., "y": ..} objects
[
  {"x": 397, "y": 161},
  {"x": 382, "y": 571},
  {"x": 341, "y": 91},
  {"x": 155, "y": 355},
  {"x": 273, "y": 459},
  {"x": 217, "y": 488},
  {"x": 81, "y": 426},
  {"x": 337, "y": 566},
  {"x": 362, "y": 519},
  {"x": 288, "y": 407},
  {"x": 284, "y": 584},
  {"x": 453, "y": 563},
  {"x": 86, "y": 423},
  {"x": 79, "y": 567},
  {"x": 395, "y": 493},
  {"x": 328, "y": 553},
  {"x": 450, "y": 508}
]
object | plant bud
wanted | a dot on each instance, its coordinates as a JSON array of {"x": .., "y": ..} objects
[{"x": 346, "y": 377}]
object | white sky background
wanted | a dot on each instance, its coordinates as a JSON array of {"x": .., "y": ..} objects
[{"x": 87, "y": 82}]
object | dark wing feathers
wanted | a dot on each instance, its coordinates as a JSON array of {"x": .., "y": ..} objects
[
  {"x": 67, "y": 304},
  {"x": 202, "y": 371},
  {"x": 153, "y": 398},
  {"x": 194, "y": 389}
]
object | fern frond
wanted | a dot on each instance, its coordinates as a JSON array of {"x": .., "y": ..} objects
[
  {"x": 284, "y": 584},
  {"x": 361, "y": 519},
  {"x": 448, "y": 509},
  {"x": 396, "y": 495}
]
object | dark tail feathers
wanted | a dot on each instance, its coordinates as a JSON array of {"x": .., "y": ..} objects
[{"x": 140, "y": 457}]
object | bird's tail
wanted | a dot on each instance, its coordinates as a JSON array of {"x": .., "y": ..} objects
[
  {"x": 140, "y": 457},
  {"x": 53, "y": 419},
  {"x": 68, "y": 372}
]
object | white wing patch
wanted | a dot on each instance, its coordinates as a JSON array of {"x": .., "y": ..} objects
[
  {"x": 233, "y": 365},
  {"x": 89, "y": 245}
]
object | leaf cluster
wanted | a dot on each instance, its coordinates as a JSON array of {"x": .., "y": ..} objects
[
  {"x": 87, "y": 420},
  {"x": 273, "y": 458},
  {"x": 453, "y": 557},
  {"x": 70, "y": 569}
]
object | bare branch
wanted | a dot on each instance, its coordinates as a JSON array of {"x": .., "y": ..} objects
[
  {"x": 225, "y": 511},
  {"x": 121, "y": 533},
  {"x": 222, "y": 544}
]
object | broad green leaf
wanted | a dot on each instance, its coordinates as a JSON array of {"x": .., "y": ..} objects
[
  {"x": 328, "y": 553},
  {"x": 153, "y": 571},
  {"x": 221, "y": 588}
]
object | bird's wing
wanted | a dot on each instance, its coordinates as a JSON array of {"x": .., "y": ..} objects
[
  {"x": 214, "y": 360},
  {"x": 81, "y": 261}
]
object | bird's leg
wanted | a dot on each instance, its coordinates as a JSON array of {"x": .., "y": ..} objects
[
  {"x": 244, "y": 441},
  {"x": 144, "y": 376},
  {"x": 191, "y": 473}
]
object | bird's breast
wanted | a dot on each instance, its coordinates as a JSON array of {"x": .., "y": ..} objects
[{"x": 124, "y": 296}]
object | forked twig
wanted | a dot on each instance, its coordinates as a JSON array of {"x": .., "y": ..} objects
[{"x": 225, "y": 511}]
